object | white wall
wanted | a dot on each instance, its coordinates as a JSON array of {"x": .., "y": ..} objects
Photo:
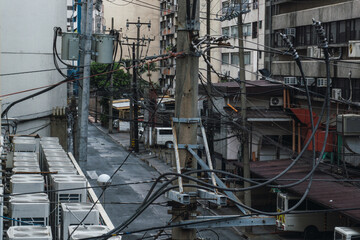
[{"x": 26, "y": 36}]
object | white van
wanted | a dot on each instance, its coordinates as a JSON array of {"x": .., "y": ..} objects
[
  {"x": 347, "y": 233},
  {"x": 309, "y": 223},
  {"x": 164, "y": 136}
]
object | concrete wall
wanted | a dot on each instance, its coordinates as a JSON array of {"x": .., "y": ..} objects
[
  {"x": 123, "y": 11},
  {"x": 26, "y": 36}
]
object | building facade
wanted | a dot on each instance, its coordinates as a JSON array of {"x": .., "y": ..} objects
[{"x": 253, "y": 38}]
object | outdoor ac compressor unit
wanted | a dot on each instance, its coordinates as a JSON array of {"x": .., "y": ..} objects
[
  {"x": 72, "y": 212},
  {"x": 90, "y": 231},
  {"x": 24, "y": 145},
  {"x": 290, "y": 80},
  {"x": 16, "y": 170},
  {"x": 30, "y": 209},
  {"x": 276, "y": 102},
  {"x": 26, "y": 183},
  {"x": 348, "y": 124},
  {"x": 29, "y": 233},
  {"x": 308, "y": 81}
]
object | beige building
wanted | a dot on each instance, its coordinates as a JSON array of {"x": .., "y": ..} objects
[
  {"x": 253, "y": 37},
  {"x": 122, "y": 11}
]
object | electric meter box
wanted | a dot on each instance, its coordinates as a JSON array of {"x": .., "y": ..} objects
[
  {"x": 30, "y": 209},
  {"x": 104, "y": 47},
  {"x": 25, "y": 183},
  {"x": 29, "y": 233},
  {"x": 72, "y": 212},
  {"x": 70, "y": 46}
]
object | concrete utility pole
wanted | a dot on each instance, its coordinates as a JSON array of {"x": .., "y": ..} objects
[
  {"x": 134, "y": 124},
  {"x": 186, "y": 101},
  {"x": 111, "y": 89},
  {"x": 210, "y": 125},
  {"x": 245, "y": 135},
  {"x": 84, "y": 96}
]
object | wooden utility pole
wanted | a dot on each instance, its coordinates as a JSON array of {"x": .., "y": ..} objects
[
  {"x": 186, "y": 100},
  {"x": 245, "y": 135},
  {"x": 84, "y": 97},
  {"x": 210, "y": 125}
]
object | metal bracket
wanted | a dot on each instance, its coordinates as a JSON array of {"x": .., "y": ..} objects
[
  {"x": 229, "y": 221},
  {"x": 212, "y": 197},
  {"x": 192, "y": 146},
  {"x": 186, "y": 120},
  {"x": 182, "y": 198}
]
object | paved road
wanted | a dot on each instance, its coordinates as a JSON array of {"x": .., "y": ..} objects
[{"x": 105, "y": 155}]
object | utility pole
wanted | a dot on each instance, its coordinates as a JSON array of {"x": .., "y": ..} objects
[
  {"x": 111, "y": 89},
  {"x": 82, "y": 129},
  {"x": 134, "y": 124},
  {"x": 186, "y": 100},
  {"x": 210, "y": 131},
  {"x": 245, "y": 135}
]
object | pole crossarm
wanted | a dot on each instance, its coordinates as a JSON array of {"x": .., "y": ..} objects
[{"x": 228, "y": 221}]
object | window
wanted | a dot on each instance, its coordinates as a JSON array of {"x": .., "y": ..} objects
[
  {"x": 225, "y": 31},
  {"x": 247, "y": 29},
  {"x": 255, "y": 4},
  {"x": 234, "y": 32},
  {"x": 225, "y": 58},
  {"x": 254, "y": 30},
  {"x": 247, "y": 58},
  {"x": 234, "y": 58},
  {"x": 225, "y": 7},
  {"x": 260, "y": 24}
]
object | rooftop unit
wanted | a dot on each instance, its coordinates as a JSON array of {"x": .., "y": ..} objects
[
  {"x": 89, "y": 231},
  {"x": 30, "y": 209},
  {"x": 24, "y": 145},
  {"x": 290, "y": 81},
  {"x": 348, "y": 124},
  {"x": 25, "y": 183},
  {"x": 64, "y": 182},
  {"x": 26, "y": 170},
  {"x": 29, "y": 233},
  {"x": 73, "y": 212},
  {"x": 64, "y": 170},
  {"x": 49, "y": 160}
]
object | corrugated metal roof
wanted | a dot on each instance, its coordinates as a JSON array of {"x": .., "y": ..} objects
[{"x": 329, "y": 194}]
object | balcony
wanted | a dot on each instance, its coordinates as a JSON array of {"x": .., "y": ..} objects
[
  {"x": 169, "y": 10},
  {"x": 168, "y": 71},
  {"x": 168, "y": 31}
]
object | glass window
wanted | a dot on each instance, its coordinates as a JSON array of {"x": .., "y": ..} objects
[
  {"x": 225, "y": 6},
  {"x": 254, "y": 29},
  {"x": 225, "y": 58},
  {"x": 225, "y": 31},
  {"x": 234, "y": 58},
  {"x": 342, "y": 31},
  {"x": 333, "y": 33},
  {"x": 255, "y": 4},
  {"x": 234, "y": 32},
  {"x": 247, "y": 29},
  {"x": 247, "y": 58}
]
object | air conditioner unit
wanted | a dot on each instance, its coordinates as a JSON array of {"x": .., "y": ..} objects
[
  {"x": 29, "y": 233},
  {"x": 308, "y": 81},
  {"x": 24, "y": 145},
  {"x": 64, "y": 170},
  {"x": 30, "y": 209},
  {"x": 65, "y": 182},
  {"x": 172, "y": 91},
  {"x": 290, "y": 80},
  {"x": 16, "y": 170},
  {"x": 72, "y": 212},
  {"x": 89, "y": 231},
  {"x": 322, "y": 82},
  {"x": 50, "y": 160},
  {"x": 348, "y": 124},
  {"x": 336, "y": 93},
  {"x": 26, "y": 183},
  {"x": 315, "y": 52},
  {"x": 50, "y": 139},
  {"x": 354, "y": 48},
  {"x": 276, "y": 102},
  {"x": 290, "y": 31},
  {"x": 26, "y": 164}
]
